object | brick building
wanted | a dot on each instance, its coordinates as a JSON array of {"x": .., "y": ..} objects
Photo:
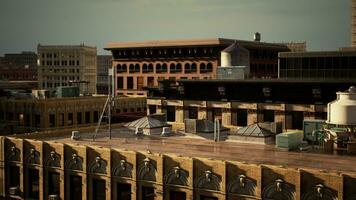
[
  {"x": 142, "y": 64},
  {"x": 19, "y": 67}
]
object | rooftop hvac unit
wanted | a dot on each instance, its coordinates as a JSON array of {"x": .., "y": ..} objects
[
  {"x": 53, "y": 197},
  {"x": 14, "y": 191},
  {"x": 75, "y": 135}
]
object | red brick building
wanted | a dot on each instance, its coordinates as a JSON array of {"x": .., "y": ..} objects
[{"x": 142, "y": 64}]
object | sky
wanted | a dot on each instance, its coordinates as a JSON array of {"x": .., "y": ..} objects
[{"x": 323, "y": 24}]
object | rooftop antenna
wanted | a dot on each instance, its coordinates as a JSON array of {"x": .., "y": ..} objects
[{"x": 108, "y": 104}]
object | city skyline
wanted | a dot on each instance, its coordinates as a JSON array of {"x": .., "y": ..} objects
[{"x": 27, "y": 23}]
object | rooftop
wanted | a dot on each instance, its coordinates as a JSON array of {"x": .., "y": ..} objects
[
  {"x": 192, "y": 147},
  {"x": 186, "y": 42}
]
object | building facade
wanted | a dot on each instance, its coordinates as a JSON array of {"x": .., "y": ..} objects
[
  {"x": 104, "y": 64},
  {"x": 143, "y": 64},
  {"x": 241, "y": 103},
  {"x": 19, "y": 67},
  {"x": 35, "y": 169},
  {"x": 67, "y": 65},
  {"x": 317, "y": 65},
  {"x": 29, "y": 115}
]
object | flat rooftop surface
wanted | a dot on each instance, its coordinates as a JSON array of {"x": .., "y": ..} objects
[{"x": 226, "y": 150}]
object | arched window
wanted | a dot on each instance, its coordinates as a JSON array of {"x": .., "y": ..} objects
[
  {"x": 150, "y": 68},
  {"x": 209, "y": 67},
  {"x": 132, "y": 68},
  {"x": 144, "y": 68},
  {"x": 202, "y": 67},
  {"x": 164, "y": 67},
  {"x": 137, "y": 68},
  {"x": 179, "y": 67},
  {"x": 172, "y": 68},
  {"x": 158, "y": 68},
  {"x": 193, "y": 67}
]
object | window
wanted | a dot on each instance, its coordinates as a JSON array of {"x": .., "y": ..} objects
[
  {"x": 130, "y": 83},
  {"x": 75, "y": 189},
  {"x": 79, "y": 118},
  {"x": 53, "y": 183},
  {"x": 241, "y": 117},
  {"x": 87, "y": 117},
  {"x": 121, "y": 68},
  {"x": 96, "y": 116},
  {"x": 268, "y": 115},
  {"x": 70, "y": 119},
  {"x": 120, "y": 82},
  {"x": 61, "y": 119},
  {"x": 140, "y": 83},
  {"x": 14, "y": 173},
  {"x": 150, "y": 81},
  {"x": 33, "y": 183},
  {"x": 99, "y": 189},
  {"x": 193, "y": 112},
  {"x": 124, "y": 191},
  {"x": 52, "y": 120},
  {"x": 148, "y": 193},
  {"x": 171, "y": 113},
  {"x": 217, "y": 114},
  {"x": 152, "y": 109},
  {"x": 297, "y": 120},
  {"x": 174, "y": 195}
]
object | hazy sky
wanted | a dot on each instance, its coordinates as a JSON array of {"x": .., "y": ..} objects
[{"x": 324, "y": 24}]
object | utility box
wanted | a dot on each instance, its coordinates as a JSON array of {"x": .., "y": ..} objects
[
  {"x": 289, "y": 140},
  {"x": 67, "y": 91},
  {"x": 312, "y": 125}
]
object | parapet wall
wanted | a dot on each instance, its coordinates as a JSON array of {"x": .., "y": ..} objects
[{"x": 196, "y": 177}]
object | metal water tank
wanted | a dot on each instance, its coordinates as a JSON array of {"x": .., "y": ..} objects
[
  {"x": 342, "y": 111},
  {"x": 225, "y": 59},
  {"x": 257, "y": 37}
]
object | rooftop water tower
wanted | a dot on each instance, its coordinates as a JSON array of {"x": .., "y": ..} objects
[
  {"x": 257, "y": 37},
  {"x": 342, "y": 111}
]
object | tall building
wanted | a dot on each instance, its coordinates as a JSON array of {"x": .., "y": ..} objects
[
  {"x": 64, "y": 65},
  {"x": 142, "y": 64},
  {"x": 353, "y": 24},
  {"x": 104, "y": 64}
]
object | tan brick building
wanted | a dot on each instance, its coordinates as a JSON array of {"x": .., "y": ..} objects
[
  {"x": 62, "y": 169},
  {"x": 58, "y": 65}
]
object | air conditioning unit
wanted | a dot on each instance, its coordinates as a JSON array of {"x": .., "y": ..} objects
[
  {"x": 14, "y": 191},
  {"x": 53, "y": 197}
]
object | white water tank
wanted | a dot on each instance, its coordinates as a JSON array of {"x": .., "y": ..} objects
[
  {"x": 342, "y": 111},
  {"x": 225, "y": 59}
]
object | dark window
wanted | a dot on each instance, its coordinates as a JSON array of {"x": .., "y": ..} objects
[
  {"x": 130, "y": 83},
  {"x": 217, "y": 114},
  {"x": 87, "y": 117},
  {"x": 14, "y": 173},
  {"x": 321, "y": 115},
  {"x": 124, "y": 191},
  {"x": 52, "y": 120},
  {"x": 173, "y": 195},
  {"x": 171, "y": 113},
  {"x": 37, "y": 121},
  {"x": 241, "y": 117},
  {"x": 193, "y": 112},
  {"x": 297, "y": 120},
  {"x": 75, "y": 189},
  {"x": 152, "y": 109},
  {"x": 148, "y": 193},
  {"x": 96, "y": 116},
  {"x": 99, "y": 189},
  {"x": 53, "y": 183},
  {"x": 268, "y": 115},
  {"x": 70, "y": 119},
  {"x": 208, "y": 198},
  {"x": 120, "y": 82},
  {"x": 33, "y": 183},
  {"x": 150, "y": 81},
  {"x": 79, "y": 118},
  {"x": 61, "y": 119}
]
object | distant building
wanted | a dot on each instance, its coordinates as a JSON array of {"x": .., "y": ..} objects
[
  {"x": 318, "y": 65},
  {"x": 30, "y": 114},
  {"x": 296, "y": 46},
  {"x": 62, "y": 65},
  {"x": 19, "y": 67},
  {"x": 104, "y": 63},
  {"x": 142, "y": 64}
]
